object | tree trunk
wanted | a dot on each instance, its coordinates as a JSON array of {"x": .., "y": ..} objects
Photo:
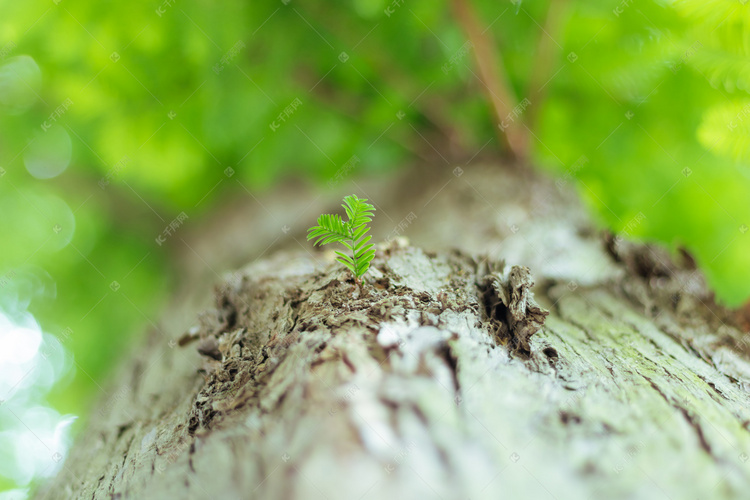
[{"x": 434, "y": 380}]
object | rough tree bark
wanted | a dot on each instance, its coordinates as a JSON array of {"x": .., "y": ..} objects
[{"x": 435, "y": 381}]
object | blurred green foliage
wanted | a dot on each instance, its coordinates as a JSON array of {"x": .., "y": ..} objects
[{"x": 645, "y": 108}]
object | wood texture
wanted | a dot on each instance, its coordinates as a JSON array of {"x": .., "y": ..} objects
[{"x": 435, "y": 382}]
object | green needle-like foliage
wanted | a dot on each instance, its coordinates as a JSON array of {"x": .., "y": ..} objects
[{"x": 352, "y": 234}]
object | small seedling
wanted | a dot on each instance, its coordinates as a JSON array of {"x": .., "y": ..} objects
[{"x": 352, "y": 234}]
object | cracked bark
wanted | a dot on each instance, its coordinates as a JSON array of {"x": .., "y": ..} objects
[{"x": 435, "y": 381}]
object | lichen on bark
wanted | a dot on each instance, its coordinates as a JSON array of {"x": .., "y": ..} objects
[{"x": 434, "y": 381}]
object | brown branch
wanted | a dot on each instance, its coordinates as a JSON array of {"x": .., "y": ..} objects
[
  {"x": 495, "y": 81},
  {"x": 454, "y": 140},
  {"x": 546, "y": 53}
]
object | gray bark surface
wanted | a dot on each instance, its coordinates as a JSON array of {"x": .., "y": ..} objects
[{"x": 437, "y": 380}]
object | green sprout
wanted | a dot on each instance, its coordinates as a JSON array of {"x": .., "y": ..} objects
[{"x": 351, "y": 234}]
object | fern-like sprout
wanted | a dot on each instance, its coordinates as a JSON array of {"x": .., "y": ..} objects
[{"x": 352, "y": 234}]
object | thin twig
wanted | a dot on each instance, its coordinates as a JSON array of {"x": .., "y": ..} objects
[
  {"x": 544, "y": 58},
  {"x": 392, "y": 76},
  {"x": 495, "y": 81}
]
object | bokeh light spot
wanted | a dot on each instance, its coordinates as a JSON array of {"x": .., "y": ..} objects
[
  {"x": 20, "y": 80},
  {"x": 49, "y": 154}
]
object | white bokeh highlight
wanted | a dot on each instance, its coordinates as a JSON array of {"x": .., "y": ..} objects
[{"x": 34, "y": 438}]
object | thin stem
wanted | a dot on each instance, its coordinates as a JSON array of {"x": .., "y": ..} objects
[
  {"x": 546, "y": 54},
  {"x": 350, "y": 229},
  {"x": 494, "y": 79},
  {"x": 354, "y": 258}
]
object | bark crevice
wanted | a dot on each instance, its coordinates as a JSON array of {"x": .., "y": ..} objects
[{"x": 439, "y": 380}]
